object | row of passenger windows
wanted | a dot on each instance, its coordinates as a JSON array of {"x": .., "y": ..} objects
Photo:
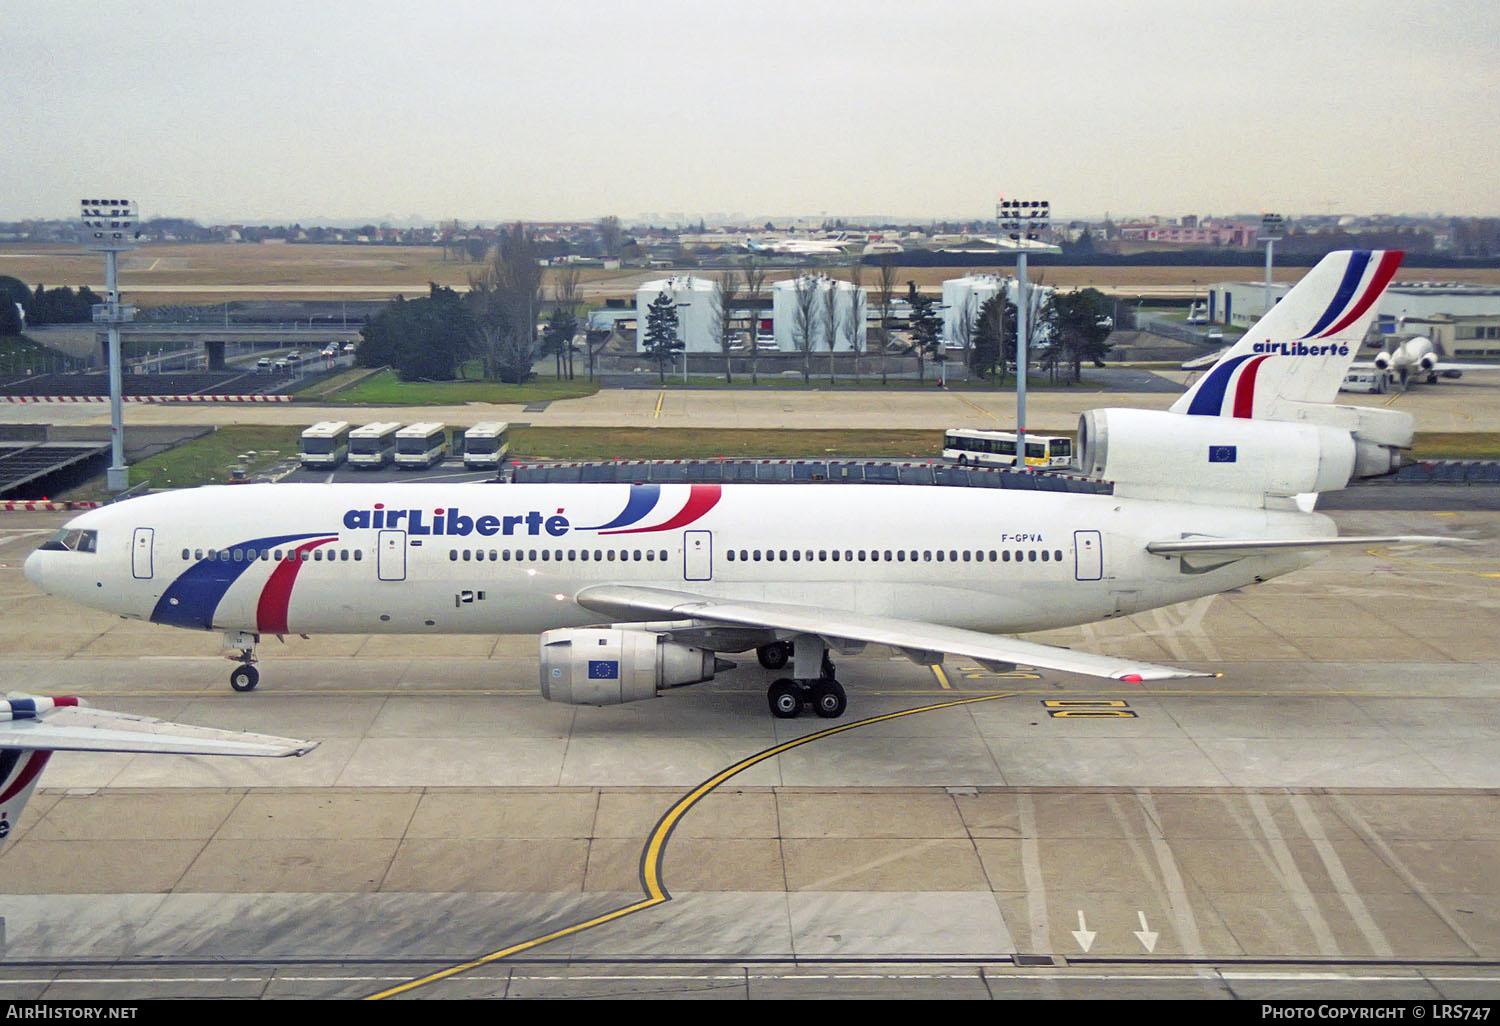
[
  {"x": 278, "y": 555},
  {"x": 767, "y": 555},
  {"x": 558, "y": 555},
  {"x": 898, "y": 555}
]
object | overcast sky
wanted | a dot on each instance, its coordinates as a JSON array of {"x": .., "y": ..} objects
[{"x": 282, "y": 111}]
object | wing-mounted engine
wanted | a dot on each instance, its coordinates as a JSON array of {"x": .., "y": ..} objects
[
  {"x": 613, "y": 665},
  {"x": 1230, "y": 460}
]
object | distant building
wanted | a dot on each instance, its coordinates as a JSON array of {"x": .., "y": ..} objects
[
  {"x": 849, "y": 304},
  {"x": 971, "y": 292},
  {"x": 696, "y": 322}
]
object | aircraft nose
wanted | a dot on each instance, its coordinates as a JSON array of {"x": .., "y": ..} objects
[{"x": 33, "y": 569}]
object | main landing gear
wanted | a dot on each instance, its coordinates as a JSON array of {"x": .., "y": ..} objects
[
  {"x": 814, "y": 684},
  {"x": 245, "y": 676}
]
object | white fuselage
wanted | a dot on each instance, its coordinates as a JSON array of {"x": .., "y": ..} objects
[{"x": 485, "y": 558}]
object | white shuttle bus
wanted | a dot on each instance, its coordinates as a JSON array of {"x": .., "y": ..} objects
[
  {"x": 373, "y": 445},
  {"x": 486, "y": 445},
  {"x": 325, "y": 444},
  {"x": 421, "y": 445},
  {"x": 999, "y": 448}
]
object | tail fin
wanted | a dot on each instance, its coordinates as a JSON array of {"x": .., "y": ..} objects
[
  {"x": 19, "y": 770},
  {"x": 1302, "y": 348}
]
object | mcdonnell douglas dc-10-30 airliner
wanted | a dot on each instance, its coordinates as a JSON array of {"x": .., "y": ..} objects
[{"x": 635, "y": 588}]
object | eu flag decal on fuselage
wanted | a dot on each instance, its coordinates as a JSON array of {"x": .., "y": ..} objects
[
  {"x": 604, "y": 669},
  {"x": 1222, "y": 453}
]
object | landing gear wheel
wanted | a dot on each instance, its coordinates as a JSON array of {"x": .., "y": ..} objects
[
  {"x": 244, "y": 678},
  {"x": 775, "y": 655},
  {"x": 829, "y": 699},
  {"x": 785, "y": 698}
]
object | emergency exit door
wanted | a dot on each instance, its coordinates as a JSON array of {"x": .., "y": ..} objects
[
  {"x": 390, "y": 556},
  {"x": 697, "y": 555},
  {"x": 1088, "y": 556},
  {"x": 140, "y": 553}
]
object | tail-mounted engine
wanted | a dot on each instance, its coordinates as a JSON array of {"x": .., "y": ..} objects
[
  {"x": 612, "y": 665},
  {"x": 1308, "y": 448}
]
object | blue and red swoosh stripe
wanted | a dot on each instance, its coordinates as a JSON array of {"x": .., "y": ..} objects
[
  {"x": 642, "y": 501},
  {"x": 191, "y": 600},
  {"x": 1384, "y": 271}
]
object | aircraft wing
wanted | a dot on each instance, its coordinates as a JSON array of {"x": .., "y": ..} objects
[
  {"x": 921, "y": 642},
  {"x": 83, "y": 729}
]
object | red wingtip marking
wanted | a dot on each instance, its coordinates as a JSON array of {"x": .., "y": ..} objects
[
  {"x": 1132, "y": 678},
  {"x": 63, "y": 702}
]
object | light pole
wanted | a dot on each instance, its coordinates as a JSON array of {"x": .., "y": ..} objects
[
  {"x": 108, "y": 226},
  {"x": 1023, "y": 221},
  {"x": 682, "y": 334},
  {"x": 1270, "y": 233}
]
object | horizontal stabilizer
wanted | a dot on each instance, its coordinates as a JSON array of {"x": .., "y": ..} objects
[
  {"x": 1239, "y": 548},
  {"x": 923, "y": 642},
  {"x": 78, "y": 728}
]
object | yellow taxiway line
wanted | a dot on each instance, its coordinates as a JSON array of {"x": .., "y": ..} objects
[{"x": 656, "y": 846}]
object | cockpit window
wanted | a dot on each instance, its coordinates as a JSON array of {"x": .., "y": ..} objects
[{"x": 74, "y": 540}]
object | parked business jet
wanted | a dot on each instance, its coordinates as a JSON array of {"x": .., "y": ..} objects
[
  {"x": 32, "y": 728},
  {"x": 1417, "y": 360},
  {"x": 634, "y": 589}
]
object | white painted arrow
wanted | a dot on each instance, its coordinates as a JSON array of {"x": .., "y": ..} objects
[
  {"x": 1083, "y": 935},
  {"x": 1145, "y": 934}
]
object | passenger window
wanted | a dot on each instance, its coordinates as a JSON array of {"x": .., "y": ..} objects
[
  {"x": 358, "y": 555},
  {"x": 1032, "y": 555},
  {"x": 900, "y": 556},
  {"x": 1046, "y": 556},
  {"x": 546, "y": 555},
  {"x": 184, "y": 554},
  {"x": 1057, "y": 555},
  {"x": 1006, "y": 554}
]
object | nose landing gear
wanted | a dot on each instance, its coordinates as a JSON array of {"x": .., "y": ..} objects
[{"x": 245, "y": 676}]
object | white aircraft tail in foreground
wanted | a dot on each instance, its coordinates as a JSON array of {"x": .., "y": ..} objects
[
  {"x": 634, "y": 589},
  {"x": 33, "y": 727}
]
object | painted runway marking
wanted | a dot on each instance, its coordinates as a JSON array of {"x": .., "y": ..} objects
[
  {"x": 975, "y": 406},
  {"x": 656, "y": 845}
]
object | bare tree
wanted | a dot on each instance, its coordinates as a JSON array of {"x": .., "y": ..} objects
[
  {"x": 856, "y": 320},
  {"x": 830, "y": 319},
  {"x": 754, "y": 276},
  {"x": 722, "y": 298},
  {"x": 804, "y": 319},
  {"x": 885, "y": 297},
  {"x": 566, "y": 292},
  {"x": 505, "y": 297},
  {"x": 610, "y": 235},
  {"x": 964, "y": 325}
]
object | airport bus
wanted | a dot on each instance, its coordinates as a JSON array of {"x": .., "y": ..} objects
[
  {"x": 421, "y": 445},
  {"x": 325, "y": 444},
  {"x": 964, "y": 446},
  {"x": 486, "y": 445},
  {"x": 373, "y": 445}
]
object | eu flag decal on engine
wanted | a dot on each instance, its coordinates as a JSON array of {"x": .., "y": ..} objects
[
  {"x": 1222, "y": 454},
  {"x": 604, "y": 669}
]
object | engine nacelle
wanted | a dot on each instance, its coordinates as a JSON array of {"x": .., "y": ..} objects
[
  {"x": 1155, "y": 454},
  {"x": 611, "y": 665}
]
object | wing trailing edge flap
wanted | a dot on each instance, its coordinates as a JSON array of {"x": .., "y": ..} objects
[{"x": 924, "y": 643}]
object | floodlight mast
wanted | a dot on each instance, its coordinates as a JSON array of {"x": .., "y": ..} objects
[
  {"x": 108, "y": 226},
  {"x": 1270, "y": 233},
  {"x": 1023, "y": 221}
]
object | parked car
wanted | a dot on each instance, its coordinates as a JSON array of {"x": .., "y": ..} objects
[{"x": 263, "y": 365}]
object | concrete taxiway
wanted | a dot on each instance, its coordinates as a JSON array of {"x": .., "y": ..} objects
[{"x": 1324, "y": 820}]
